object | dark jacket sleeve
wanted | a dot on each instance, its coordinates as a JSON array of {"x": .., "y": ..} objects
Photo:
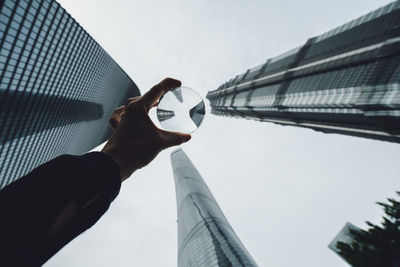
[{"x": 30, "y": 205}]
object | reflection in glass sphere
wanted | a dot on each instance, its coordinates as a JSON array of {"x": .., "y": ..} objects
[{"x": 181, "y": 110}]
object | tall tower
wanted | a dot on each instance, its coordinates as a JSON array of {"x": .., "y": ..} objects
[
  {"x": 58, "y": 87},
  {"x": 345, "y": 81},
  {"x": 343, "y": 236},
  {"x": 205, "y": 237}
]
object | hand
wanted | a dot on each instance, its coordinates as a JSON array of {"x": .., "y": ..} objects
[{"x": 136, "y": 141}]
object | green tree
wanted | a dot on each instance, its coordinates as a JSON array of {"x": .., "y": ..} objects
[{"x": 378, "y": 245}]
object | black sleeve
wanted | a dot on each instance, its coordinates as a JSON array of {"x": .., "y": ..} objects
[{"x": 30, "y": 205}]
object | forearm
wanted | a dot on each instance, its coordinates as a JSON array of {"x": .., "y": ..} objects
[{"x": 56, "y": 202}]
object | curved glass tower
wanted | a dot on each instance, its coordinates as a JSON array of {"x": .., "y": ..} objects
[
  {"x": 58, "y": 87},
  {"x": 205, "y": 237}
]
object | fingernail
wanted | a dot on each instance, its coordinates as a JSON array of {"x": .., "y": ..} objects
[{"x": 187, "y": 138}]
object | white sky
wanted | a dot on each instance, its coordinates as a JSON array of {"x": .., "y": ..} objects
[{"x": 286, "y": 191}]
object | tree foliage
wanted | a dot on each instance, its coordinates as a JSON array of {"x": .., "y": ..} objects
[{"x": 378, "y": 245}]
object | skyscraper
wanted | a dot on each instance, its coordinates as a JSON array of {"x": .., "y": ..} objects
[
  {"x": 58, "y": 87},
  {"x": 205, "y": 237},
  {"x": 345, "y": 81},
  {"x": 343, "y": 236}
]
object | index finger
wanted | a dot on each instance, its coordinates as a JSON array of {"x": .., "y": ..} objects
[{"x": 155, "y": 93}]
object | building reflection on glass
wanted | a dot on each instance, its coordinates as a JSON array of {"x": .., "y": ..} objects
[
  {"x": 181, "y": 110},
  {"x": 197, "y": 113},
  {"x": 164, "y": 115}
]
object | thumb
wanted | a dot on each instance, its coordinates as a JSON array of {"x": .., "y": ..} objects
[{"x": 174, "y": 138}]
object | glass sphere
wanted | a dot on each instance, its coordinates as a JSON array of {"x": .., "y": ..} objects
[{"x": 181, "y": 110}]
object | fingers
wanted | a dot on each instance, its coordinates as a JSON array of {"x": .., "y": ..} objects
[
  {"x": 174, "y": 138},
  {"x": 151, "y": 97},
  {"x": 116, "y": 117}
]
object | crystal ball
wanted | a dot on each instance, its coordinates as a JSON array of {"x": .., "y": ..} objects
[{"x": 181, "y": 110}]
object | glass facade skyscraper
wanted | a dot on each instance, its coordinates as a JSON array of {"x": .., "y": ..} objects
[
  {"x": 58, "y": 87},
  {"x": 343, "y": 236},
  {"x": 345, "y": 81},
  {"x": 205, "y": 237}
]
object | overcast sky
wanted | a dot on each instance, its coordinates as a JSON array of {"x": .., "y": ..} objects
[{"x": 286, "y": 191}]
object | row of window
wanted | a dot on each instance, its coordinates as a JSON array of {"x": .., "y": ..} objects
[
  {"x": 58, "y": 58},
  {"x": 202, "y": 251},
  {"x": 363, "y": 35},
  {"x": 30, "y": 152},
  {"x": 13, "y": 61},
  {"x": 38, "y": 66},
  {"x": 364, "y": 19},
  {"x": 368, "y": 32},
  {"x": 332, "y": 88}
]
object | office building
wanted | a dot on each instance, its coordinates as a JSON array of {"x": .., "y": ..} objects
[
  {"x": 343, "y": 236},
  {"x": 205, "y": 237},
  {"x": 58, "y": 87},
  {"x": 344, "y": 81}
]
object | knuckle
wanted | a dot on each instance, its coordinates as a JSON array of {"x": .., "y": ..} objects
[
  {"x": 132, "y": 99},
  {"x": 136, "y": 107}
]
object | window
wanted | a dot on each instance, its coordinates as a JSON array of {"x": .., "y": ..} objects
[{"x": 6, "y": 11}]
